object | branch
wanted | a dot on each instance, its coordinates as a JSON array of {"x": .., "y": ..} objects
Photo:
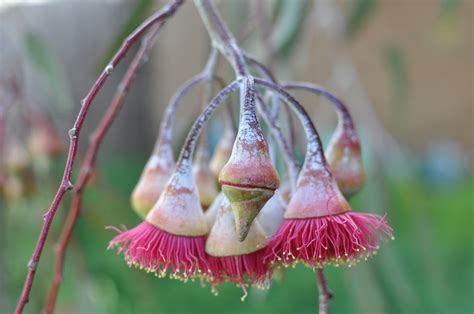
[
  {"x": 89, "y": 161},
  {"x": 74, "y": 133}
]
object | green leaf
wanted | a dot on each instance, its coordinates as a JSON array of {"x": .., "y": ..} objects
[
  {"x": 359, "y": 12},
  {"x": 140, "y": 12}
]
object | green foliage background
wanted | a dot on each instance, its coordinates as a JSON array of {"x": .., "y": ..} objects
[{"x": 427, "y": 269}]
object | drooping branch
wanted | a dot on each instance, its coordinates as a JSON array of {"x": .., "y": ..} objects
[
  {"x": 74, "y": 133},
  {"x": 89, "y": 162}
]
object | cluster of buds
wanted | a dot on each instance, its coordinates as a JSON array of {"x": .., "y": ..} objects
[
  {"x": 246, "y": 231},
  {"x": 249, "y": 230}
]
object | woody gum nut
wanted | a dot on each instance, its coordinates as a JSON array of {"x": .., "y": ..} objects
[{"x": 246, "y": 203}]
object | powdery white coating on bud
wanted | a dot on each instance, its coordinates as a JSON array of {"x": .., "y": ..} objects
[
  {"x": 224, "y": 240},
  {"x": 316, "y": 195},
  {"x": 249, "y": 178},
  {"x": 271, "y": 215},
  {"x": 178, "y": 210}
]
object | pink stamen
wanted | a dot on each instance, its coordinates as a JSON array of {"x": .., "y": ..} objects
[
  {"x": 158, "y": 251},
  {"x": 339, "y": 238}
]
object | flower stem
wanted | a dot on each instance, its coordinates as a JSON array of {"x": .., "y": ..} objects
[
  {"x": 325, "y": 295},
  {"x": 314, "y": 151},
  {"x": 166, "y": 129},
  {"x": 341, "y": 108},
  {"x": 191, "y": 139},
  {"x": 221, "y": 37},
  {"x": 74, "y": 133}
]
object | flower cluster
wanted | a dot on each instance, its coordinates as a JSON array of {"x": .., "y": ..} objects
[{"x": 243, "y": 233}]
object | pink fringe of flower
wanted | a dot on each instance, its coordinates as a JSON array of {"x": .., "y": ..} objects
[
  {"x": 160, "y": 252},
  {"x": 343, "y": 238},
  {"x": 243, "y": 270}
]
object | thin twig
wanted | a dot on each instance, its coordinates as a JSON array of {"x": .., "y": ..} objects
[
  {"x": 89, "y": 161},
  {"x": 325, "y": 295},
  {"x": 74, "y": 133}
]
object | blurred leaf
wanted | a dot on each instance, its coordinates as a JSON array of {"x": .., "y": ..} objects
[
  {"x": 44, "y": 62},
  {"x": 139, "y": 13},
  {"x": 359, "y": 12},
  {"x": 288, "y": 26},
  {"x": 398, "y": 72},
  {"x": 448, "y": 7},
  {"x": 447, "y": 27}
]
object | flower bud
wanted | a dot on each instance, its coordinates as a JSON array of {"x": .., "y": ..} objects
[
  {"x": 317, "y": 195},
  {"x": 211, "y": 212},
  {"x": 345, "y": 161},
  {"x": 248, "y": 179},
  {"x": 156, "y": 173},
  {"x": 224, "y": 240},
  {"x": 17, "y": 158},
  {"x": 178, "y": 210},
  {"x": 234, "y": 260},
  {"x": 44, "y": 141},
  {"x": 223, "y": 151},
  {"x": 271, "y": 215},
  {"x": 205, "y": 179}
]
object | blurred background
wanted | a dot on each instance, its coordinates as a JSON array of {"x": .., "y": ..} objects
[{"x": 404, "y": 68}]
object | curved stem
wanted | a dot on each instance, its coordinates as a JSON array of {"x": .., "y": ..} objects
[
  {"x": 314, "y": 152},
  {"x": 341, "y": 108},
  {"x": 74, "y": 133},
  {"x": 221, "y": 37},
  {"x": 89, "y": 161},
  {"x": 290, "y": 157},
  {"x": 187, "y": 151},
  {"x": 166, "y": 130},
  {"x": 325, "y": 295}
]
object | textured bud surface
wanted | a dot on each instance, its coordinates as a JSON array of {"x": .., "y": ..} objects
[
  {"x": 345, "y": 161},
  {"x": 178, "y": 210},
  {"x": 224, "y": 240},
  {"x": 152, "y": 182}
]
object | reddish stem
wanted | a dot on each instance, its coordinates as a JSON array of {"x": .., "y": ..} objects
[
  {"x": 325, "y": 295},
  {"x": 89, "y": 161},
  {"x": 74, "y": 133}
]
